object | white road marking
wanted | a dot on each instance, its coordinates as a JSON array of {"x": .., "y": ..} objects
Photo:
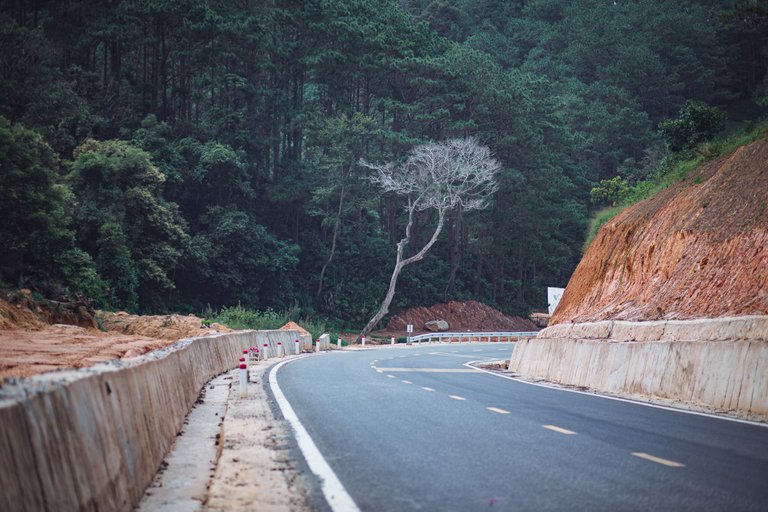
[
  {"x": 335, "y": 494},
  {"x": 462, "y": 356},
  {"x": 406, "y": 382},
  {"x": 431, "y": 370},
  {"x": 658, "y": 460},
  {"x": 559, "y": 429},
  {"x": 456, "y": 397},
  {"x": 427, "y": 389},
  {"x": 497, "y": 410}
]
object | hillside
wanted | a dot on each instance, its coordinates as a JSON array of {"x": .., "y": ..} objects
[{"x": 698, "y": 249}]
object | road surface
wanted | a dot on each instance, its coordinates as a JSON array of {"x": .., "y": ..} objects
[{"x": 413, "y": 428}]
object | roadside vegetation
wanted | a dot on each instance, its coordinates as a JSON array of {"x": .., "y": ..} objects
[
  {"x": 675, "y": 167},
  {"x": 238, "y": 317},
  {"x": 161, "y": 156}
]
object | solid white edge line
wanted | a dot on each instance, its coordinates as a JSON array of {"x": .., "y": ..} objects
[
  {"x": 335, "y": 494},
  {"x": 471, "y": 364}
]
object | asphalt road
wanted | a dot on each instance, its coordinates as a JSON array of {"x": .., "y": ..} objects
[{"x": 412, "y": 428}]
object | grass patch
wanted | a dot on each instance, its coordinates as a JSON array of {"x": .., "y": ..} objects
[
  {"x": 238, "y": 317},
  {"x": 674, "y": 170},
  {"x": 601, "y": 217}
]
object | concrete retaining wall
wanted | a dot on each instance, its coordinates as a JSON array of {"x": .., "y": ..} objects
[
  {"x": 93, "y": 439},
  {"x": 719, "y": 363}
]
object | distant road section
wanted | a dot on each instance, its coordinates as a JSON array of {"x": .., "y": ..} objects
[{"x": 413, "y": 428}]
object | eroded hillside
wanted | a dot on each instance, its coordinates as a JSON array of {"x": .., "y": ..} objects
[{"x": 698, "y": 249}]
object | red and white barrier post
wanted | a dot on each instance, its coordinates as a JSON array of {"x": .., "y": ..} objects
[
  {"x": 317, "y": 345},
  {"x": 247, "y": 361},
  {"x": 392, "y": 340},
  {"x": 266, "y": 351},
  {"x": 297, "y": 346},
  {"x": 363, "y": 341},
  {"x": 243, "y": 379},
  {"x": 338, "y": 342},
  {"x": 280, "y": 349}
]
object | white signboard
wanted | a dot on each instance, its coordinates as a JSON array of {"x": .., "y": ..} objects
[
  {"x": 553, "y": 298},
  {"x": 409, "y": 328}
]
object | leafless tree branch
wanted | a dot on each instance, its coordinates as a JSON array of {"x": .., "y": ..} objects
[{"x": 440, "y": 176}]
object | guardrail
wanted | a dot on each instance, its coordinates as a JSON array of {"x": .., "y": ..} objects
[{"x": 460, "y": 337}]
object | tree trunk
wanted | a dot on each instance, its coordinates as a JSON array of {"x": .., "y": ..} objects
[
  {"x": 454, "y": 243},
  {"x": 336, "y": 226},
  {"x": 401, "y": 263}
]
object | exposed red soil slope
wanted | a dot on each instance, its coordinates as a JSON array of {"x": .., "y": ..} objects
[
  {"x": 37, "y": 337},
  {"x": 698, "y": 249},
  {"x": 461, "y": 316}
]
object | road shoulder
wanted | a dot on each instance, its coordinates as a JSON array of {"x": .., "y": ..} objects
[{"x": 256, "y": 470}]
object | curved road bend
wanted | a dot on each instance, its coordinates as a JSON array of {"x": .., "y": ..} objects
[{"x": 412, "y": 428}]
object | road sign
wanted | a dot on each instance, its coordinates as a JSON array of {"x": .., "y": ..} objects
[{"x": 409, "y": 329}]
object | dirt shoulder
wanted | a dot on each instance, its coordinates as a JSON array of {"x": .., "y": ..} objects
[{"x": 255, "y": 470}]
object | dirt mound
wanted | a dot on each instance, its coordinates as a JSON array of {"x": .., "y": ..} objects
[
  {"x": 293, "y": 326},
  {"x": 26, "y": 353},
  {"x": 698, "y": 249},
  {"x": 461, "y": 316},
  {"x": 19, "y": 310},
  {"x": 41, "y": 335},
  {"x": 165, "y": 327}
]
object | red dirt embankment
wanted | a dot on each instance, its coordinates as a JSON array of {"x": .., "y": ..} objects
[
  {"x": 461, "y": 316},
  {"x": 698, "y": 249},
  {"x": 42, "y": 336}
]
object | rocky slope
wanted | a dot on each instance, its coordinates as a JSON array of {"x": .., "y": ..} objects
[{"x": 696, "y": 250}]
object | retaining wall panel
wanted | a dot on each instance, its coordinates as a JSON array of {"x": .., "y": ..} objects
[
  {"x": 692, "y": 364},
  {"x": 69, "y": 443}
]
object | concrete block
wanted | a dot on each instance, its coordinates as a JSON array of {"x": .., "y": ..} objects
[
  {"x": 591, "y": 330},
  {"x": 637, "y": 331},
  {"x": 556, "y": 331}
]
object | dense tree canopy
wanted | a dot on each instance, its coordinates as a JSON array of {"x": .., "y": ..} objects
[{"x": 177, "y": 155}]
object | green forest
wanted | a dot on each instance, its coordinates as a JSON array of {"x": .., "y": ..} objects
[{"x": 186, "y": 155}]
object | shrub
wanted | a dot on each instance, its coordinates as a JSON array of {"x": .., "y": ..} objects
[{"x": 697, "y": 122}]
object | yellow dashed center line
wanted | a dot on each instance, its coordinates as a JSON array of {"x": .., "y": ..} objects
[
  {"x": 559, "y": 429},
  {"x": 456, "y": 397},
  {"x": 658, "y": 460},
  {"x": 427, "y": 389},
  {"x": 406, "y": 382},
  {"x": 497, "y": 410}
]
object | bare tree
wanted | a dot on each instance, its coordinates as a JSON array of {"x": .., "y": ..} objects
[{"x": 436, "y": 176}]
